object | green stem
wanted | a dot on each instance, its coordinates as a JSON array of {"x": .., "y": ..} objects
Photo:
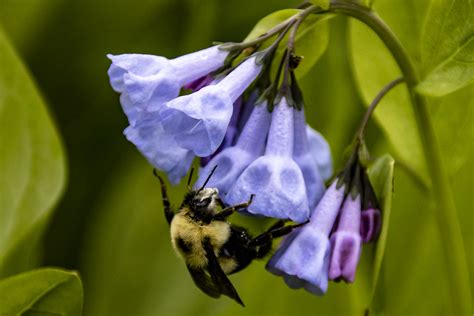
[{"x": 446, "y": 214}]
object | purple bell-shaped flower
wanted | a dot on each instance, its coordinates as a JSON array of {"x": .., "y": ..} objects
[
  {"x": 147, "y": 81},
  {"x": 346, "y": 241},
  {"x": 199, "y": 120},
  {"x": 304, "y": 256},
  {"x": 233, "y": 160},
  {"x": 275, "y": 178}
]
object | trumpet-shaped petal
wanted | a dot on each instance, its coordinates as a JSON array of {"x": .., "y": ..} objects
[
  {"x": 305, "y": 160},
  {"x": 159, "y": 148},
  {"x": 233, "y": 160},
  {"x": 199, "y": 121},
  {"x": 370, "y": 224},
  {"x": 137, "y": 64},
  {"x": 319, "y": 148},
  {"x": 346, "y": 242},
  {"x": 275, "y": 178},
  {"x": 149, "y": 81},
  {"x": 303, "y": 258}
]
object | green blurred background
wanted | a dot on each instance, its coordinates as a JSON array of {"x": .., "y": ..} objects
[{"x": 109, "y": 224}]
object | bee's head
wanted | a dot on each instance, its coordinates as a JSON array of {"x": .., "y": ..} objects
[{"x": 202, "y": 202}]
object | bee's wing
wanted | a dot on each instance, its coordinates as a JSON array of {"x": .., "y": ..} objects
[
  {"x": 204, "y": 282},
  {"x": 220, "y": 279}
]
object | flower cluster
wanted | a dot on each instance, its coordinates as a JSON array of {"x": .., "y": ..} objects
[
  {"x": 329, "y": 246},
  {"x": 253, "y": 129}
]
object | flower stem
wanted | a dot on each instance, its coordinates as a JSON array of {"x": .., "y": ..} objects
[
  {"x": 373, "y": 105},
  {"x": 448, "y": 222},
  {"x": 273, "y": 31}
]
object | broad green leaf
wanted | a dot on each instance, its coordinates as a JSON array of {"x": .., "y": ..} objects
[
  {"x": 374, "y": 67},
  {"x": 381, "y": 177},
  {"x": 31, "y": 163},
  {"x": 449, "y": 26},
  {"x": 311, "y": 39},
  {"x": 44, "y": 291},
  {"x": 447, "y": 47},
  {"x": 453, "y": 73}
]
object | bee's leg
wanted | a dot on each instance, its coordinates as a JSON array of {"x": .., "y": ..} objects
[
  {"x": 169, "y": 214},
  {"x": 226, "y": 212},
  {"x": 273, "y": 232}
]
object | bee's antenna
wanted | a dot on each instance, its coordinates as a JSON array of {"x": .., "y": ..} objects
[
  {"x": 208, "y": 178},
  {"x": 190, "y": 178}
]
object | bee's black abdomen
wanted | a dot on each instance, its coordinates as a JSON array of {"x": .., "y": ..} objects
[{"x": 183, "y": 246}]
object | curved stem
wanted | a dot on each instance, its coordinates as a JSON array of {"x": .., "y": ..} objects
[
  {"x": 446, "y": 212},
  {"x": 373, "y": 105}
]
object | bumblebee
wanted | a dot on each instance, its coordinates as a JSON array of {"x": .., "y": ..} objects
[{"x": 211, "y": 247}]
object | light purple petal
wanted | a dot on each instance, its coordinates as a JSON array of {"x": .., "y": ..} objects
[
  {"x": 233, "y": 160},
  {"x": 303, "y": 157},
  {"x": 159, "y": 148},
  {"x": 328, "y": 208},
  {"x": 321, "y": 151},
  {"x": 240, "y": 79},
  {"x": 199, "y": 121},
  {"x": 150, "y": 93},
  {"x": 275, "y": 178},
  {"x": 137, "y": 64},
  {"x": 193, "y": 66},
  {"x": 303, "y": 260}
]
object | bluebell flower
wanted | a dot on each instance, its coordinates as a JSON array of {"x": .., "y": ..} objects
[
  {"x": 306, "y": 160},
  {"x": 159, "y": 147},
  {"x": 147, "y": 81},
  {"x": 233, "y": 160},
  {"x": 321, "y": 151},
  {"x": 346, "y": 241},
  {"x": 199, "y": 120},
  {"x": 275, "y": 178},
  {"x": 303, "y": 257},
  {"x": 231, "y": 133}
]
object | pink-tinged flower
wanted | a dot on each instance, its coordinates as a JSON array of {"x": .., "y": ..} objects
[{"x": 346, "y": 243}]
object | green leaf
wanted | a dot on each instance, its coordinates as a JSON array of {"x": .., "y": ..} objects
[
  {"x": 311, "y": 38},
  {"x": 374, "y": 67},
  {"x": 42, "y": 292},
  {"x": 363, "y": 292},
  {"x": 452, "y": 74},
  {"x": 447, "y": 47},
  {"x": 449, "y": 25},
  {"x": 31, "y": 163}
]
